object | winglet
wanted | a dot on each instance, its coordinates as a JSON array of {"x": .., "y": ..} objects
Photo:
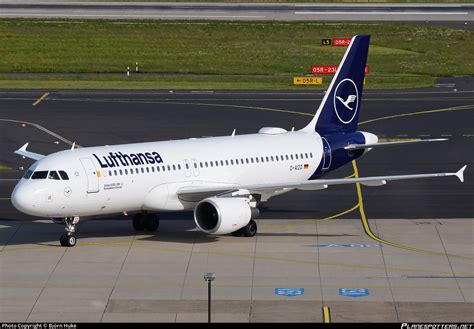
[
  {"x": 460, "y": 174},
  {"x": 27, "y": 154},
  {"x": 23, "y": 148}
]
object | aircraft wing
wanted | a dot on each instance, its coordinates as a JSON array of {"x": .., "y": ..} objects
[
  {"x": 203, "y": 191},
  {"x": 27, "y": 154},
  {"x": 352, "y": 147}
]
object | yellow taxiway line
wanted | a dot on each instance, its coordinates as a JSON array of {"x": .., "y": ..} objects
[{"x": 40, "y": 99}]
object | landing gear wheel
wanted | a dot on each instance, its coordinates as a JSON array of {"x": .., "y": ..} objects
[
  {"x": 139, "y": 222},
  {"x": 62, "y": 240},
  {"x": 237, "y": 233},
  {"x": 250, "y": 229},
  {"x": 151, "y": 223},
  {"x": 68, "y": 240}
]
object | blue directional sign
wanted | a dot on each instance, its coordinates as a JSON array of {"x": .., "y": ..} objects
[
  {"x": 289, "y": 292},
  {"x": 353, "y": 292},
  {"x": 356, "y": 245}
]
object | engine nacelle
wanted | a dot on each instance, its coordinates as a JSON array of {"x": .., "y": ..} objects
[{"x": 223, "y": 215}]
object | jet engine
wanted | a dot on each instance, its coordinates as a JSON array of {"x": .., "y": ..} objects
[{"x": 223, "y": 215}]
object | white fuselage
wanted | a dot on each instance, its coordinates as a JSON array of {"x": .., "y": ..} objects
[{"x": 99, "y": 184}]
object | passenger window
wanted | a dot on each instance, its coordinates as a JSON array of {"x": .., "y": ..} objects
[
  {"x": 206, "y": 164},
  {"x": 247, "y": 160},
  {"x": 115, "y": 172},
  {"x": 287, "y": 157},
  {"x": 110, "y": 173},
  {"x": 291, "y": 156},
  {"x": 222, "y": 163},
  {"x": 226, "y": 162},
  {"x": 311, "y": 155},
  {"x": 256, "y": 159},
  {"x": 306, "y": 155},
  {"x": 168, "y": 167},
  {"x": 217, "y": 163},
  {"x": 266, "y": 158},
  {"x": 296, "y": 156},
  {"x": 251, "y": 160},
  {"x": 152, "y": 169},
  {"x": 136, "y": 171},
  {"x": 53, "y": 175},
  {"x": 164, "y": 168},
  {"x": 261, "y": 159},
  {"x": 147, "y": 170},
  {"x": 157, "y": 168},
  {"x": 200, "y": 164},
  {"x": 174, "y": 167},
  {"x": 271, "y": 157},
  {"x": 195, "y": 165},
  {"x": 187, "y": 166},
  {"x": 28, "y": 174},
  {"x": 179, "y": 166},
  {"x": 126, "y": 171},
  {"x": 143, "y": 170},
  {"x": 39, "y": 175},
  {"x": 120, "y": 171},
  {"x": 212, "y": 165},
  {"x": 231, "y": 162}
]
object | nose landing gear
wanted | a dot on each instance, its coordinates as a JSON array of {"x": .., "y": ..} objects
[{"x": 69, "y": 239}]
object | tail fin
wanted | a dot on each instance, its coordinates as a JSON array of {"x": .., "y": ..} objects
[{"x": 339, "y": 110}]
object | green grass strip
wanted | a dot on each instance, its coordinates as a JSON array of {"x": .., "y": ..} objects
[{"x": 203, "y": 54}]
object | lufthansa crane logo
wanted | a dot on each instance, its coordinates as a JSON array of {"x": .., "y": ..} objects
[{"x": 346, "y": 100}]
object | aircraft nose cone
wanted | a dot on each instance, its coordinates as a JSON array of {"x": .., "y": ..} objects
[{"x": 22, "y": 199}]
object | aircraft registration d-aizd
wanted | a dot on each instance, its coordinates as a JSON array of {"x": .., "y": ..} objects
[{"x": 223, "y": 179}]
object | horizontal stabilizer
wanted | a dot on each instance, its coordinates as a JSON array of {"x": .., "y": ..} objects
[
  {"x": 27, "y": 154},
  {"x": 353, "y": 147}
]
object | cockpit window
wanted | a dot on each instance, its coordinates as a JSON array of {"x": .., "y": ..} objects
[
  {"x": 39, "y": 175},
  {"x": 64, "y": 175},
  {"x": 28, "y": 174},
  {"x": 53, "y": 175}
]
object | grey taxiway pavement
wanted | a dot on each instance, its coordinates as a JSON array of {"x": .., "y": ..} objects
[
  {"x": 239, "y": 11},
  {"x": 405, "y": 248}
]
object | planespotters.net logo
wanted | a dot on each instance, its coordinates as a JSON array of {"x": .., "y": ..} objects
[
  {"x": 437, "y": 326},
  {"x": 346, "y": 100}
]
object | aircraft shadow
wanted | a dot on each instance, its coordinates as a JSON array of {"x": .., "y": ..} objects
[{"x": 45, "y": 233}]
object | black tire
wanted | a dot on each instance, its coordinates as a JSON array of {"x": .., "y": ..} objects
[
  {"x": 151, "y": 223},
  {"x": 250, "y": 229},
  {"x": 139, "y": 222},
  {"x": 237, "y": 233},
  {"x": 63, "y": 240},
  {"x": 71, "y": 241}
]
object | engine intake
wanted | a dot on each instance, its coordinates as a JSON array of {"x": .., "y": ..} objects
[{"x": 223, "y": 215}]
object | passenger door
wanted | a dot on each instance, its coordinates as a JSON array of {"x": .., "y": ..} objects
[{"x": 91, "y": 174}]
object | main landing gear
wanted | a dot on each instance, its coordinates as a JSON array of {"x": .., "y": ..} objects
[
  {"x": 248, "y": 230},
  {"x": 145, "y": 222},
  {"x": 69, "y": 239}
]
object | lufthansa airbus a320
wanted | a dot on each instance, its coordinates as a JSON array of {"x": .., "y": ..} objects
[{"x": 223, "y": 180}]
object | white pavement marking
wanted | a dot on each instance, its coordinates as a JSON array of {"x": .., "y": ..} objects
[
  {"x": 126, "y": 16},
  {"x": 49, "y": 132},
  {"x": 405, "y": 13}
]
